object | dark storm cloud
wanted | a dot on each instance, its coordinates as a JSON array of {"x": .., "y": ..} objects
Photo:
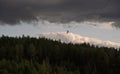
[{"x": 14, "y": 11}]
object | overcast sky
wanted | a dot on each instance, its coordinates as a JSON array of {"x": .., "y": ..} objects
[
  {"x": 99, "y": 13},
  {"x": 14, "y": 11}
]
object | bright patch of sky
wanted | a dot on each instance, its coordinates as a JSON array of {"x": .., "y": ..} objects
[
  {"x": 103, "y": 31},
  {"x": 66, "y": 37}
]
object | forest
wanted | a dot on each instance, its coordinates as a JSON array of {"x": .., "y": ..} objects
[{"x": 29, "y": 55}]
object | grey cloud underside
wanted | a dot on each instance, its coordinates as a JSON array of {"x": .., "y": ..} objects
[{"x": 14, "y": 11}]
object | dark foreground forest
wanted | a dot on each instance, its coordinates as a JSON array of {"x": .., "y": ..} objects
[{"x": 26, "y": 55}]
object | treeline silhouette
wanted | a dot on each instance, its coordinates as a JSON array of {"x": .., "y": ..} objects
[{"x": 28, "y": 55}]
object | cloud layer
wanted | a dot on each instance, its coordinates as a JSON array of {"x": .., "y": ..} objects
[
  {"x": 15, "y": 11},
  {"x": 74, "y": 38}
]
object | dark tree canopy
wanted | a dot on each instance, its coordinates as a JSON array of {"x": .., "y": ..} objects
[{"x": 27, "y": 55}]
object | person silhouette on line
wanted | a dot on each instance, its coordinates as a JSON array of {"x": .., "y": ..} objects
[{"x": 67, "y": 31}]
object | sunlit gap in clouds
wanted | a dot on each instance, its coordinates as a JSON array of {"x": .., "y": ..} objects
[
  {"x": 93, "y": 29},
  {"x": 73, "y": 24}
]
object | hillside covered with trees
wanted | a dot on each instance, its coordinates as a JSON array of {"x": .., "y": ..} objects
[{"x": 27, "y": 55}]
